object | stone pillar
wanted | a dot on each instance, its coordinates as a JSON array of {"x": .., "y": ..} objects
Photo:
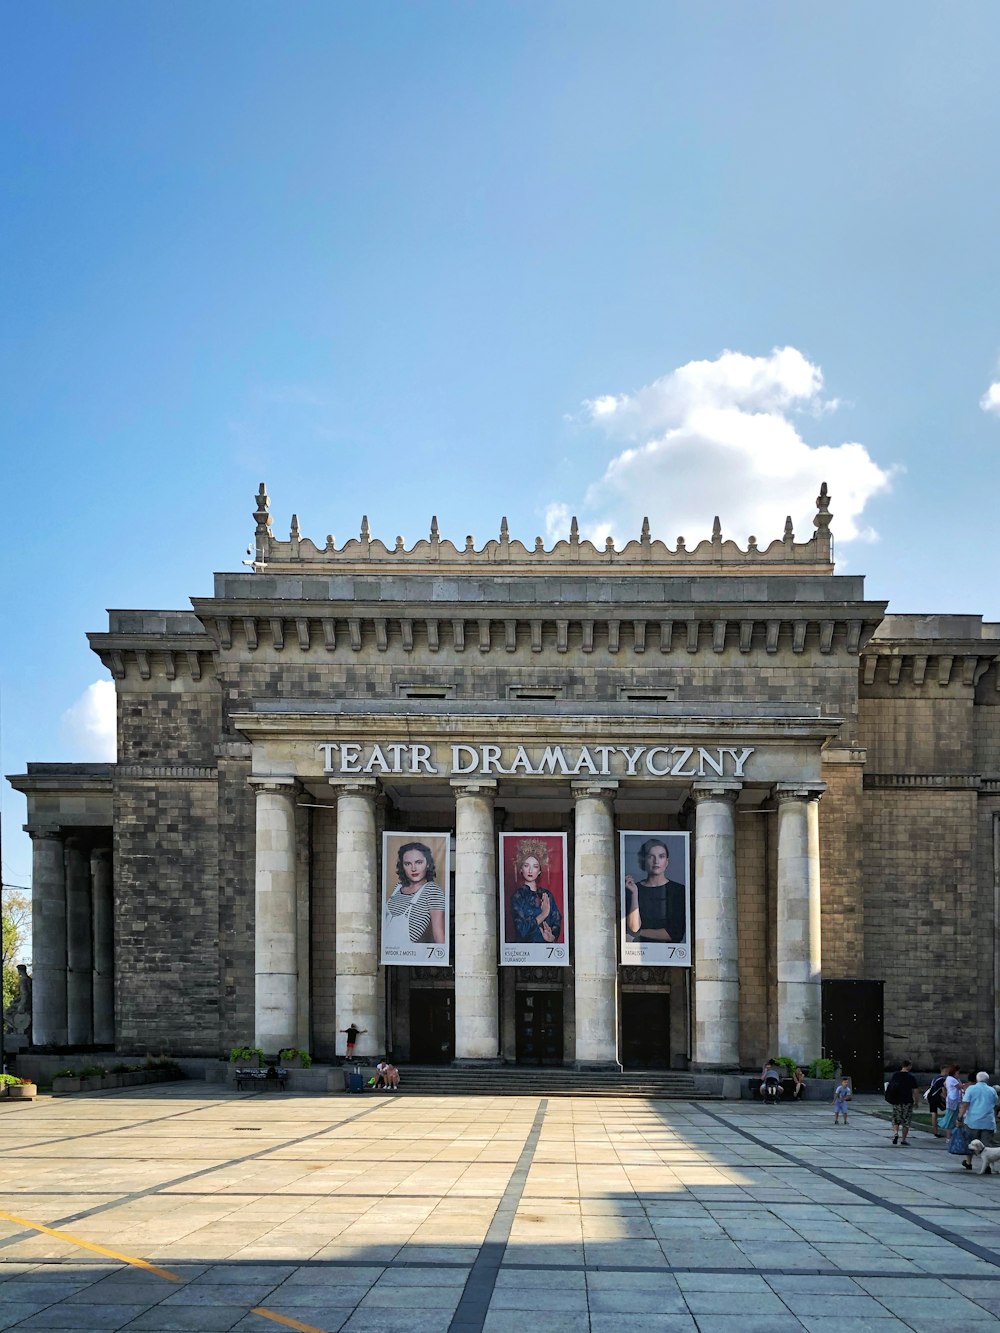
[
  {"x": 595, "y": 923},
  {"x": 716, "y": 953},
  {"x": 79, "y": 946},
  {"x": 275, "y": 916},
  {"x": 104, "y": 946},
  {"x": 800, "y": 1015},
  {"x": 477, "y": 1022},
  {"x": 358, "y": 894},
  {"x": 48, "y": 938}
]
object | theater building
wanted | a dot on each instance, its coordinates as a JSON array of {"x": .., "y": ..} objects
[{"x": 574, "y": 806}]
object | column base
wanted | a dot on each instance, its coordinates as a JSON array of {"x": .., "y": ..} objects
[{"x": 596, "y": 1066}]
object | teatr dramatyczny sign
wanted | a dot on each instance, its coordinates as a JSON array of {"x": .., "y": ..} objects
[{"x": 407, "y": 758}]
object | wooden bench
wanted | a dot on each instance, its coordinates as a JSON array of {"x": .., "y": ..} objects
[{"x": 257, "y": 1080}]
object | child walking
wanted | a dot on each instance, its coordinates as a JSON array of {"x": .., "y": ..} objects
[{"x": 841, "y": 1096}]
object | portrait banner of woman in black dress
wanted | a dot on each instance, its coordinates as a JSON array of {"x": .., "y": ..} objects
[
  {"x": 534, "y": 924},
  {"x": 415, "y": 879},
  {"x": 656, "y": 899}
]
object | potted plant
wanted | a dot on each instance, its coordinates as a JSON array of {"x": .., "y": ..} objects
[
  {"x": 65, "y": 1081},
  {"x": 292, "y": 1058},
  {"x": 92, "y": 1078},
  {"x": 23, "y": 1088},
  {"x": 246, "y": 1057}
]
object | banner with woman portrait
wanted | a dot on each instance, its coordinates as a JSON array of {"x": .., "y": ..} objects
[
  {"x": 534, "y": 902},
  {"x": 415, "y": 908},
  {"x": 656, "y": 899}
]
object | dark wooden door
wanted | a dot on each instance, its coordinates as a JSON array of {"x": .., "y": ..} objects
[
  {"x": 853, "y": 1031},
  {"x": 645, "y": 1030},
  {"x": 432, "y": 1026},
  {"x": 539, "y": 1023}
]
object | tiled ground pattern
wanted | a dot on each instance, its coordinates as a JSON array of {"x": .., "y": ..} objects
[{"x": 424, "y": 1215}]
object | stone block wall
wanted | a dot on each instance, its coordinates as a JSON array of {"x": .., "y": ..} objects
[
  {"x": 324, "y": 934},
  {"x": 753, "y": 906},
  {"x": 236, "y": 872},
  {"x": 923, "y": 909},
  {"x": 166, "y": 914},
  {"x": 842, "y": 839}
]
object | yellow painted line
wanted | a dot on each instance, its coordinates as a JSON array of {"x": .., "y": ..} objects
[
  {"x": 70, "y": 1239},
  {"x": 286, "y": 1320},
  {"x": 89, "y": 1245}
]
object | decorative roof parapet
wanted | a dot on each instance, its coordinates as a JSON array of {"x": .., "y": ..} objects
[{"x": 714, "y": 554}]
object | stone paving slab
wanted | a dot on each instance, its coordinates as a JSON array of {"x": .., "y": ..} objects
[{"x": 202, "y": 1209}]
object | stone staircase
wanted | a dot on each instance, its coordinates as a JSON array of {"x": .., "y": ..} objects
[{"x": 528, "y": 1081}]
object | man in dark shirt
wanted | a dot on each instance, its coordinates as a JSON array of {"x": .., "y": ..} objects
[{"x": 899, "y": 1094}]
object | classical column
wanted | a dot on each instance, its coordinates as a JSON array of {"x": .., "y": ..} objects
[
  {"x": 357, "y": 891},
  {"x": 104, "y": 946},
  {"x": 800, "y": 1024},
  {"x": 716, "y": 956},
  {"x": 595, "y": 921},
  {"x": 48, "y": 938},
  {"x": 79, "y": 946},
  {"x": 276, "y": 918},
  {"x": 477, "y": 1025}
]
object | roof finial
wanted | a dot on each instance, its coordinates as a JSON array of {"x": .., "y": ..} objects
[
  {"x": 435, "y": 534},
  {"x": 574, "y": 532},
  {"x": 823, "y": 515},
  {"x": 366, "y": 534},
  {"x": 716, "y": 532},
  {"x": 644, "y": 539},
  {"x": 294, "y": 535},
  {"x": 262, "y": 512},
  {"x": 504, "y": 530},
  {"x": 789, "y": 530}
]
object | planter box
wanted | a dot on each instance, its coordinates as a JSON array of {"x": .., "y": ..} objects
[
  {"x": 61, "y": 1086},
  {"x": 294, "y": 1063},
  {"x": 111, "y": 1081},
  {"x": 133, "y": 1079},
  {"x": 92, "y": 1084},
  {"x": 23, "y": 1091}
]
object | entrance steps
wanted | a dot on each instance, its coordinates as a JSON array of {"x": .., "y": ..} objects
[{"x": 552, "y": 1081}]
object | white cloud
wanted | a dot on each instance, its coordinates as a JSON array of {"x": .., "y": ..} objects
[
  {"x": 719, "y": 437},
  {"x": 90, "y": 724},
  {"x": 990, "y": 401}
]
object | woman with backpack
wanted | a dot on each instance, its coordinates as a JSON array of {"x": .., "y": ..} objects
[{"x": 934, "y": 1097}]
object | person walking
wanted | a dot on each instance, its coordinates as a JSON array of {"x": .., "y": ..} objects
[
  {"x": 952, "y": 1098},
  {"x": 977, "y": 1111},
  {"x": 899, "y": 1094},
  {"x": 841, "y": 1096},
  {"x": 934, "y": 1097}
]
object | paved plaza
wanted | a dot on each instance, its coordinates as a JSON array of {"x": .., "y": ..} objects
[{"x": 193, "y": 1207}]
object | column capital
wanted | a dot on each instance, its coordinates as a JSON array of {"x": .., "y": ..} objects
[
  {"x": 798, "y": 791},
  {"x": 474, "y": 786},
  {"x": 355, "y": 786},
  {"x": 716, "y": 791},
  {"x": 594, "y": 787},
  {"x": 41, "y": 832},
  {"x": 274, "y": 786}
]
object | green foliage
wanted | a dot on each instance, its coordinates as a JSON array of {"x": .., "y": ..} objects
[
  {"x": 11, "y": 1080},
  {"x": 14, "y": 923},
  {"x": 65, "y": 1073},
  {"x": 93, "y": 1071},
  {"x": 245, "y": 1053},
  {"x": 786, "y": 1063},
  {"x": 291, "y": 1052},
  {"x": 822, "y": 1068}
]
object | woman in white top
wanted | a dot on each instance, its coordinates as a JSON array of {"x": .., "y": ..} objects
[{"x": 414, "y": 912}]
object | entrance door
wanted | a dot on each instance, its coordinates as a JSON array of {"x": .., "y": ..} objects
[
  {"x": 852, "y": 1030},
  {"x": 538, "y": 1016},
  {"x": 645, "y": 1030},
  {"x": 432, "y": 1026}
]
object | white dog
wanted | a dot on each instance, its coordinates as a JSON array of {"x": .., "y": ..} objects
[{"x": 983, "y": 1158}]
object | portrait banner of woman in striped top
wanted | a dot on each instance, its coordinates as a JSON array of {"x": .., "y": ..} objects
[{"x": 415, "y": 916}]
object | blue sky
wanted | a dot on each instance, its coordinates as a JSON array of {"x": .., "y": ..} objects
[{"x": 458, "y": 259}]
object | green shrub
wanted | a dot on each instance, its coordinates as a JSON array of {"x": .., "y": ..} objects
[
  {"x": 245, "y": 1053},
  {"x": 786, "y": 1063},
  {"x": 822, "y": 1068},
  {"x": 10, "y": 1080},
  {"x": 93, "y": 1071},
  {"x": 65, "y": 1073},
  {"x": 290, "y": 1053}
]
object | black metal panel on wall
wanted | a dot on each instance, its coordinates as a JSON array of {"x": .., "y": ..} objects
[{"x": 853, "y": 1031}]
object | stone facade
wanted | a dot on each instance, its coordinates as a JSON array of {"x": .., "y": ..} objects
[{"x": 858, "y": 837}]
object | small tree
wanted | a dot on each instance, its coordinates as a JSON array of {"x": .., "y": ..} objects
[{"x": 16, "y": 922}]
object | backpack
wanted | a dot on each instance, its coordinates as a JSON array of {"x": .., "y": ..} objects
[{"x": 894, "y": 1094}]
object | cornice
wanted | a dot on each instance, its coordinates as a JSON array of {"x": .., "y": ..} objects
[
  {"x": 175, "y": 654},
  {"x": 935, "y": 662},
  {"x": 658, "y": 630}
]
